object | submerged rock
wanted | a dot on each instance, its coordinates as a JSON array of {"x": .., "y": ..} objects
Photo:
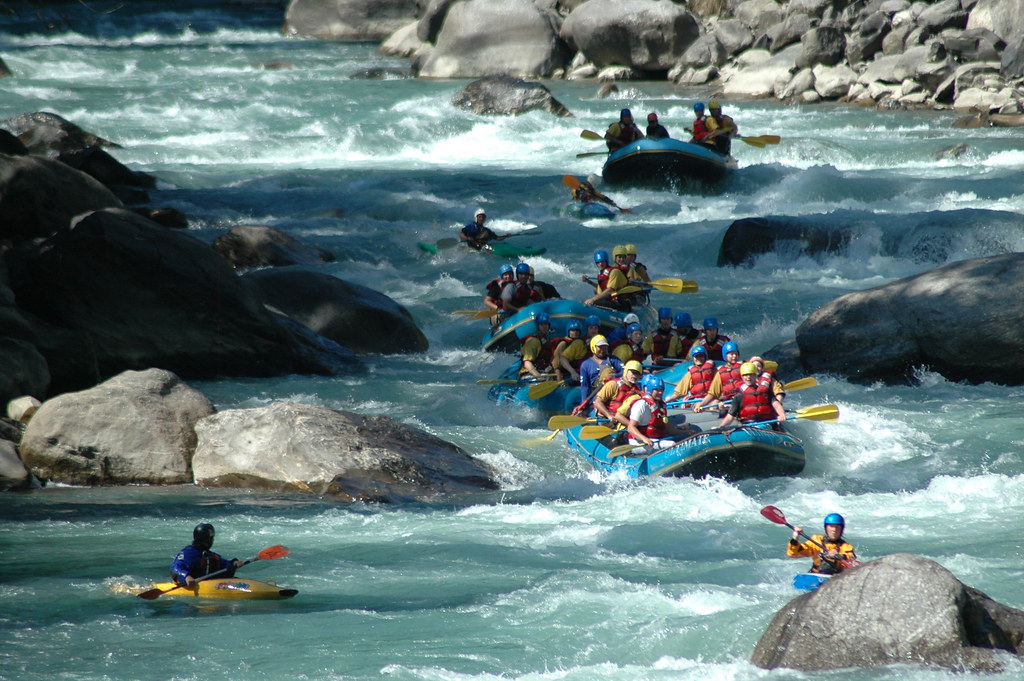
[
  {"x": 503, "y": 95},
  {"x": 898, "y": 609}
]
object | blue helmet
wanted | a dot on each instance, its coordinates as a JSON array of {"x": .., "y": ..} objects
[
  {"x": 600, "y": 256},
  {"x": 699, "y": 350},
  {"x": 683, "y": 320},
  {"x": 634, "y": 327},
  {"x": 505, "y": 269},
  {"x": 664, "y": 313},
  {"x": 592, "y": 320},
  {"x": 573, "y": 325},
  {"x": 711, "y": 322},
  {"x": 649, "y": 383},
  {"x": 542, "y": 318},
  {"x": 522, "y": 268},
  {"x": 835, "y": 519},
  {"x": 625, "y": 112},
  {"x": 730, "y": 347},
  {"x": 699, "y": 106}
]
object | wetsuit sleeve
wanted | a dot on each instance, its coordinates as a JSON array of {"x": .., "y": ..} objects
[
  {"x": 182, "y": 565},
  {"x": 736, "y": 405},
  {"x": 798, "y": 550}
]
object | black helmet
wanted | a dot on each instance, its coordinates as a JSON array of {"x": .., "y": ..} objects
[{"x": 202, "y": 536}]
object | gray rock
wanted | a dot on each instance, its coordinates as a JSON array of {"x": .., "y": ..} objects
[
  {"x": 134, "y": 428},
  {"x": 900, "y": 609},
  {"x": 39, "y": 197},
  {"x": 505, "y": 95},
  {"x": 913, "y": 315},
  {"x": 803, "y": 80},
  {"x": 825, "y": 45},
  {"x": 351, "y": 315},
  {"x": 483, "y": 38},
  {"x": 48, "y": 134},
  {"x": 1005, "y": 18},
  {"x": 867, "y": 40},
  {"x": 338, "y": 453},
  {"x": 13, "y": 474},
  {"x": 942, "y": 15},
  {"x": 404, "y": 43},
  {"x": 976, "y": 44},
  {"x": 641, "y": 34},
  {"x": 432, "y": 19},
  {"x": 355, "y": 20},
  {"x": 704, "y": 51},
  {"x": 261, "y": 246},
  {"x": 790, "y": 31},
  {"x": 833, "y": 82},
  {"x": 764, "y": 78},
  {"x": 733, "y": 35},
  {"x": 759, "y": 15},
  {"x": 1011, "y": 63}
]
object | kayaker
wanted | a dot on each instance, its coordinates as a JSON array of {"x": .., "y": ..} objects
[
  {"x": 647, "y": 415},
  {"x": 587, "y": 193},
  {"x": 493, "y": 298},
  {"x": 520, "y": 293},
  {"x": 712, "y": 340},
  {"x": 659, "y": 344},
  {"x": 637, "y": 270},
  {"x": 727, "y": 381},
  {"x": 475, "y": 234},
  {"x": 721, "y": 128},
  {"x": 536, "y": 351},
  {"x": 570, "y": 352},
  {"x": 197, "y": 560},
  {"x": 593, "y": 371},
  {"x": 613, "y": 393},
  {"x": 610, "y": 280},
  {"x": 632, "y": 346},
  {"x": 838, "y": 553},
  {"x": 700, "y": 126},
  {"x": 655, "y": 130},
  {"x": 698, "y": 377},
  {"x": 622, "y": 131},
  {"x": 686, "y": 334},
  {"x": 754, "y": 402}
]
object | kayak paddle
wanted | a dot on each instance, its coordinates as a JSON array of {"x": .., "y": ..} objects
[
  {"x": 775, "y": 515},
  {"x": 270, "y": 553}
]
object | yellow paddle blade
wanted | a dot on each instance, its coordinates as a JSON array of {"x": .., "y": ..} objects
[
  {"x": 570, "y": 181},
  {"x": 497, "y": 381},
  {"x": 753, "y": 141},
  {"x": 675, "y": 285},
  {"x": 480, "y": 314},
  {"x": 542, "y": 389},
  {"x": 560, "y": 421},
  {"x": 594, "y": 432},
  {"x": 591, "y": 135},
  {"x": 821, "y": 412},
  {"x": 622, "y": 450},
  {"x": 766, "y": 139},
  {"x": 800, "y": 384},
  {"x": 541, "y": 440}
]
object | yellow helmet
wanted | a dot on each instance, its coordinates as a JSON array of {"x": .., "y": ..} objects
[
  {"x": 747, "y": 368},
  {"x": 630, "y": 249},
  {"x": 618, "y": 250},
  {"x": 633, "y": 365},
  {"x": 597, "y": 340},
  {"x": 713, "y": 104}
]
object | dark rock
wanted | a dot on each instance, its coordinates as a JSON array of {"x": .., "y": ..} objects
[
  {"x": 913, "y": 316},
  {"x": 119, "y": 292},
  {"x": 1011, "y": 63},
  {"x": 750, "y": 237},
  {"x": 432, "y": 19},
  {"x": 9, "y": 144},
  {"x": 99, "y": 164},
  {"x": 976, "y": 44},
  {"x": 825, "y": 45},
  {"x": 355, "y": 316},
  {"x": 166, "y": 217},
  {"x": 900, "y": 609},
  {"x": 789, "y": 31},
  {"x": 260, "y": 246},
  {"x": 867, "y": 40},
  {"x": 352, "y": 457},
  {"x": 40, "y": 196},
  {"x": 942, "y": 15},
  {"x": 4, "y": 70},
  {"x": 503, "y": 95},
  {"x": 47, "y": 134}
]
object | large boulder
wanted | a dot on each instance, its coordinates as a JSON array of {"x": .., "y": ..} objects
[
  {"x": 261, "y": 246},
  {"x": 747, "y": 238},
  {"x": 485, "y": 38},
  {"x": 289, "y": 446},
  {"x": 1005, "y": 18},
  {"x": 48, "y": 134},
  {"x": 361, "y": 319},
  {"x": 353, "y": 20},
  {"x": 915, "y": 316},
  {"x": 119, "y": 292},
  {"x": 134, "y": 428},
  {"x": 649, "y": 35},
  {"x": 40, "y": 196},
  {"x": 754, "y": 77},
  {"x": 900, "y": 609},
  {"x": 504, "y": 95}
]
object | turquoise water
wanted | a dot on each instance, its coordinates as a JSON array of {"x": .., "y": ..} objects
[{"x": 563, "y": 573}]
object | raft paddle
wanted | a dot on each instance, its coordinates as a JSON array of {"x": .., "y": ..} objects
[
  {"x": 673, "y": 285},
  {"x": 776, "y": 516},
  {"x": 269, "y": 553},
  {"x": 760, "y": 140},
  {"x": 596, "y": 432},
  {"x": 591, "y": 135},
  {"x": 591, "y": 153},
  {"x": 560, "y": 421},
  {"x": 543, "y": 389}
]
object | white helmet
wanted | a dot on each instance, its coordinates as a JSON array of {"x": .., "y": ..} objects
[
  {"x": 631, "y": 318},
  {"x": 479, "y": 212}
]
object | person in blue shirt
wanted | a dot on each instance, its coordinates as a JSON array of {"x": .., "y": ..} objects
[
  {"x": 197, "y": 560},
  {"x": 590, "y": 371},
  {"x": 475, "y": 234}
]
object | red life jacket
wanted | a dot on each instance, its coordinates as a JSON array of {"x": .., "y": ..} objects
[
  {"x": 700, "y": 378},
  {"x": 625, "y": 390},
  {"x": 638, "y": 351},
  {"x": 628, "y": 133},
  {"x": 660, "y": 342},
  {"x": 547, "y": 351},
  {"x": 494, "y": 291},
  {"x": 700, "y": 129},
  {"x": 714, "y": 349},
  {"x": 731, "y": 379},
  {"x": 756, "y": 404},
  {"x": 524, "y": 294},
  {"x": 657, "y": 427}
]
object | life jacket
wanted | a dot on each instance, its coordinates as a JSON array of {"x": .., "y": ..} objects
[
  {"x": 714, "y": 349},
  {"x": 700, "y": 378},
  {"x": 700, "y": 129},
  {"x": 628, "y": 132},
  {"x": 523, "y": 294},
  {"x": 661, "y": 340},
  {"x": 625, "y": 390},
  {"x": 637, "y": 350},
  {"x": 602, "y": 279},
  {"x": 657, "y": 427},
  {"x": 731, "y": 379},
  {"x": 543, "y": 360},
  {"x": 494, "y": 291},
  {"x": 756, "y": 404}
]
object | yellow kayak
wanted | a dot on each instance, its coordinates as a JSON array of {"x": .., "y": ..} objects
[{"x": 229, "y": 588}]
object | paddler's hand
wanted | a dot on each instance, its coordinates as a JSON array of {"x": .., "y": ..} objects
[
  {"x": 238, "y": 563},
  {"x": 189, "y": 581},
  {"x": 796, "y": 534}
]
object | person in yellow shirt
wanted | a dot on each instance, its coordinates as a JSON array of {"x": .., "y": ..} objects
[
  {"x": 830, "y": 552},
  {"x": 611, "y": 396},
  {"x": 570, "y": 352},
  {"x": 721, "y": 129},
  {"x": 610, "y": 280}
]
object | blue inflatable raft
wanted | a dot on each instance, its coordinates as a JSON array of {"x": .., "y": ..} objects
[{"x": 665, "y": 163}]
